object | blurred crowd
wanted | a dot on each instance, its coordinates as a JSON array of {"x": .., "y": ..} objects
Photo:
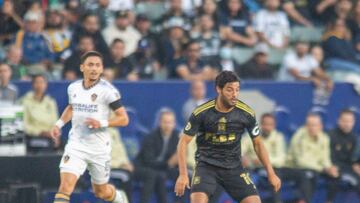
[
  {"x": 289, "y": 40},
  {"x": 314, "y": 40}
]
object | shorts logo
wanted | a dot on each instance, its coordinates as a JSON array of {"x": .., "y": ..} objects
[
  {"x": 188, "y": 126},
  {"x": 196, "y": 180},
  {"x": 93, "y": 97},
  {"x": 66, "y": 158}
]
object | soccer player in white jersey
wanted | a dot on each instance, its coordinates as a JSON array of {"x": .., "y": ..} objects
[{"x": 89, "y": 147}]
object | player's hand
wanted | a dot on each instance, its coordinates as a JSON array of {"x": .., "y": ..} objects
[
  {"x": 181, "y": 182},
  {"x": 92, "y": 123},
  {"x": 275, "y": 182},
  {"x": 55, "y": 133}
]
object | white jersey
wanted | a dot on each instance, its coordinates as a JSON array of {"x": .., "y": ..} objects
[{"x": 93, "y": 102}]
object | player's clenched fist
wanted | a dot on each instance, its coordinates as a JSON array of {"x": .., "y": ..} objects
[
  {"x": 275, "y": 182},
  {"x": 55, "y": 132},
  {"x": 181, "y": 183}
]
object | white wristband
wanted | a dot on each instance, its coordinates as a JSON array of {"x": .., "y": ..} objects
[
  {"x": 60, "y": 123},
  {"x": 104, "y": 123}
]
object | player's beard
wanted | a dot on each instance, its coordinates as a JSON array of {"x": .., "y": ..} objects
[{"x": 225, "y": 102}]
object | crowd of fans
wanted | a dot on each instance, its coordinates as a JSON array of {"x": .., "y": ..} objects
[
  {"x": 181, "y": 39},
  {"x": 190, "y": 40}
]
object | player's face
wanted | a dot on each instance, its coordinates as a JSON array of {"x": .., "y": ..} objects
[
  {"x": 229, "y": 94},
  {"x": 92, "y": 68}
]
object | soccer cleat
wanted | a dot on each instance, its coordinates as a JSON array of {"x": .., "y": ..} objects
[{"x": 120, "y": 197}]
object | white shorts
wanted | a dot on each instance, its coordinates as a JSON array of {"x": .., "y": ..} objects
[{"x": 76, "y": 162}]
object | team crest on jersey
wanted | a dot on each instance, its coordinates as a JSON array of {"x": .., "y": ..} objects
[
  {"x": 93, "y": 97},
  {"x": 66, "y": 158}
]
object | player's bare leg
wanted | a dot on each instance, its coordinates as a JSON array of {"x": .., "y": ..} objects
[
  {"x": 67, "y": 185},
  {"x": 251, "y": 199},
  {"x": 108, "y": 193},
  {"x": 199, "y": 197}
]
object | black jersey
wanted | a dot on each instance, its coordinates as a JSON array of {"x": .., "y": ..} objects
[{"x": 218, "y": 134}]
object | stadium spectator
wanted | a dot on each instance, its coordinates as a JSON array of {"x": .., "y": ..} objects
[
  {"x": 10, "y": 22},
  {"x": 272, "y": 25},
  {"x": 258, "y": 66},
  {"x": 71, "y": 70},
  {"x": 343, "y": 143},
  {"x": 209, "y": 40},
  {"x": 14, "y": 60},
  {"x": 339, "y": 52},
  {"x": 198, "y": 96},
  {"x": 309, "y": 151},
  {"x": 40, "y": 110},
  {"x": 171, "y": 45},
  {"x": 236, "y": 19},
  {"x": 143, "y": 25},
  {"x": 120, "y": 64},
  {"x": 275, "y": 144},
  {"x": 175, "y": 11},
  {"x": 122, "y": 29},
  {"x": 301, "y": 65},
  {"x": 324, "y": 10},
  {"x": 192, "y": 67},
  {"x": 209, "y": 7},
  {"x": 58, "y": 35},
  {"x": 34, "y": 45},
  {"x": 90, "y": 27},
  {"x": 299, "y": 12},
  {"x": 106, "y": 16},
  {"x": 190, "y": 6},
  {"x": 121, "y": 167},
  {"x": 8, "y": 91},
  {"x": 343, "y": 9},
  {"x": 157, "y": 160},
  {"x": 145, "y": 64}
]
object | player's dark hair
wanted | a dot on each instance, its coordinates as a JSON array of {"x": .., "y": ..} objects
[
  {"x": 34, "y": 77},
  {"x": 89, "y": 54},
  {"x": 225, "y": 77},
  {"x": 346, "y": 111}
]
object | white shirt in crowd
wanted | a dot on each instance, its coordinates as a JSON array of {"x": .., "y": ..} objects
[
  {"x": 304, "y": 65},
  {"x": 274, "y": 25},
  {"x": 130, "y": 36}
]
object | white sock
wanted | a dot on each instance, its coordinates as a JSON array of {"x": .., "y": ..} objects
[{"x": 120, "y": 197}]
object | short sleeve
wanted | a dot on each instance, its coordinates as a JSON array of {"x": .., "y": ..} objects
[
  {"x": 69, "y": 92},
  {"x": 113, "y": 98},
  {"x": 253, "y": 127},
  {"x": 313, "y": 62},
  {"x": 192, "y": 126}
]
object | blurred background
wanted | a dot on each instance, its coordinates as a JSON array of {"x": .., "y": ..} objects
[{"x": 298, "y": 61}]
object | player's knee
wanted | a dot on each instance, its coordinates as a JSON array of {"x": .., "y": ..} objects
[{"x": 198, "y": 197}]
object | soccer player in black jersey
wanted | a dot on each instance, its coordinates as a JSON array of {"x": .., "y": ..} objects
[{"x": 218, "y": 125}]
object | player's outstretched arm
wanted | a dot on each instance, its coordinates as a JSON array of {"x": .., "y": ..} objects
[
  {"x": 183, "y": 179},
  {"x": 264, "y": 158},
  {"x": 65, "y": 117}
]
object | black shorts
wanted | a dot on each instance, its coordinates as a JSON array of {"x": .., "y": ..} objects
[{"x": 236, "y": 182}]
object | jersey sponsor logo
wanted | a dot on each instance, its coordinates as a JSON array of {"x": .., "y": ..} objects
[
  {"x": 222, "y": 124},
  {"x": 93, "y": 97},
  {"x": 89, "y": 108},
  {"x": 188, "y": 126},
  {"x": 256, "y": 130},
  {"x": 66, "y": 158},
  {"x": 196, "y": 180}
]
